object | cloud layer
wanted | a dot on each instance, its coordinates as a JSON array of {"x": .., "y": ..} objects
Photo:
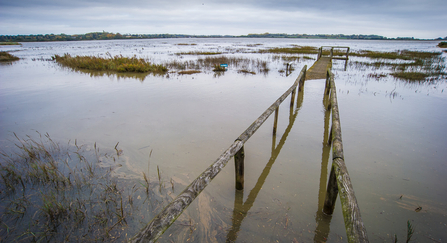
[{"x": 392, "y": 18}]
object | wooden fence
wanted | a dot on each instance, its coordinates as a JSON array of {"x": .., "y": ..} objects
[
  {"x": 158, "y": 225},
  {"x": 339, "y": 181}
]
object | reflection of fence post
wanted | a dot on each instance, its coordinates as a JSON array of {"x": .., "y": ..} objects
[
  {"x": 292, "y": 100},
  {"x": 275, "y": 123},
  {"x": 331, "y": 193},
  {"x": 239, "y": 168}
]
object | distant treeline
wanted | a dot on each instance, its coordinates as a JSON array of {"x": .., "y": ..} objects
[{"x": 110, "y": 36}]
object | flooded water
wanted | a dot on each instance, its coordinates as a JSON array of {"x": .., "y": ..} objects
[{"x": 394, "y": 135}]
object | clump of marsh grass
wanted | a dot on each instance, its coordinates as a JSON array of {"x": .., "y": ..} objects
[
  {"x": 199, "y": 53},
  {"x": 291, "y": 50},
  {"x": 9, "y": 43},
  {"x": 442, "y": 44},
  {"x": 116, "y": 63},
  {"x": 6, "y": 57},
  {"x": 66, "y": 193},
  {"x": 189, "y": 72}
]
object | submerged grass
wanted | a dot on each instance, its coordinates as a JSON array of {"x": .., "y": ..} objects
[
  {"x": 6, "y": 57},
  {"x": 54, "y": 193},
  {"x": 116, "y": 63},
  {"x": 214, "y": 62}
]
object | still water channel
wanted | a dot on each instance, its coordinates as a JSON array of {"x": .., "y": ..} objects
[{"x": 394, "y": 135}]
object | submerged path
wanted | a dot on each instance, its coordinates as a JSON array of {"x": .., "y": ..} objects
[{"x": 319, "y": 69}]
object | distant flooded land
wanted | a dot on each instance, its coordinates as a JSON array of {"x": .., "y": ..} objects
[{"x": 111, "y": 36}]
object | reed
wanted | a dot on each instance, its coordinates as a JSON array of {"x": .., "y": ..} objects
[
  {"x": 116, "y": 63},
  {"x": 65, "y": 193}
]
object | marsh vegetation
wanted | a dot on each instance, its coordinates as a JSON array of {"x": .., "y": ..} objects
[
  {"x": 70, "y": 193},
  {"x": 115, "y": 63},
  {"x": 6, "y": 57}
]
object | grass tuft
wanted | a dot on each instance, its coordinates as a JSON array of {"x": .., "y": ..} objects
[
  {"x": 442, "y": 44},
  {"x": 6, "y": 57}
]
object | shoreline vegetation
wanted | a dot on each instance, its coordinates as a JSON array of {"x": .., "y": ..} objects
[{"x": 111, "y": 36}]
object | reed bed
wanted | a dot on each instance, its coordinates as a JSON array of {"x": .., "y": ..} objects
[
  {"x": 116, "y": 63},
  {"x": 6, "y": 57},
  {"x": 213, "y": 63},
  {"x": 54, "y": 193},
  {"x": 405, "y": 65}
]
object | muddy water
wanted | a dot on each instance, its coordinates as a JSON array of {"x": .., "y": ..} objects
[{"x": 393, "y": 134}]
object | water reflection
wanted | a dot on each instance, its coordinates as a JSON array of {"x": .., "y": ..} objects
[
  {"x": 323, "y": 220},
  {"x": 241, "y": 209}
]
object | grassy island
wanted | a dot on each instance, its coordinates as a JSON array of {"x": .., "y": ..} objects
[
  {"x": 116, "y": 63},
  {"x": 442, "y": 44},
  {"x": 6, "y": 57}
]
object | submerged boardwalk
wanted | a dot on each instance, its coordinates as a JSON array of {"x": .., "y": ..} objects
[
  {"x": 319, "y": 69},
  {"x": 339, "y": 184}
]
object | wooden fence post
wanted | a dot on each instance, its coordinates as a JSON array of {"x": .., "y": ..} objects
[{"x": 239, "y": 168}]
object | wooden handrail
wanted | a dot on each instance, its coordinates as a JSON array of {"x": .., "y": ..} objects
[
  {"x": 339, "y": 180},
  {"x": 160, "y": 223}
]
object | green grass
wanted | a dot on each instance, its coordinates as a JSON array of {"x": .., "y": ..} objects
[
  {"x": 6, "y": 57},
  {"x": 116, "y": 63},
  {"x": 9, "y": 43},
  {"x": 442, "y": 44}
]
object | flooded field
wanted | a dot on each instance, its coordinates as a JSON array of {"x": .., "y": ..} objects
[{"x": 173, "y": 126}]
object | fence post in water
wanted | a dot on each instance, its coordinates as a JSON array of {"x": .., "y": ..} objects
[
  {"x": 347, "y": 57},
  {"x": 239, "y": 168},
  {"x": 332, "y": 51}
]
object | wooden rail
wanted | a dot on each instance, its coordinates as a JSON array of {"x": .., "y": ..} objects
[
  {"x": 339, "y": 180},
  {"x": 159, "y": 224}
]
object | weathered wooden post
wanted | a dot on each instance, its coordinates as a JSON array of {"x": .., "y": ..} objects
[
  {"x": 239, "y": 168},
  {"x": 332, "y": 51},
  {"x": 320, "y": 50},
  {"x": 347, "y": 58}
]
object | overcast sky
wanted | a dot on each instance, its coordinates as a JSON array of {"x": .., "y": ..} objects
[{"x": 390, "y": 18}]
